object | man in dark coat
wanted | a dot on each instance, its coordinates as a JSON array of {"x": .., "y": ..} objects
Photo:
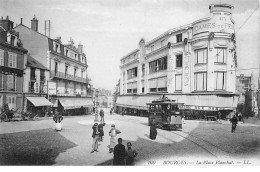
[
  {"x": 119, "y": 153},
  {"x": 234, "y": 121},
  {"x": 101, "y": 113},
  {"x": 101, "y": 131},
  {"x": 95, "y": 136},
  {"x": 153, "y": 131}
]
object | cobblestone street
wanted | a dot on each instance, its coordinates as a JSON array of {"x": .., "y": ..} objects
[{"x": 199, "y": 140}]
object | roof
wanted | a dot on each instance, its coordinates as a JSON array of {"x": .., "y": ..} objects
[{"x": 31, "y": 62}]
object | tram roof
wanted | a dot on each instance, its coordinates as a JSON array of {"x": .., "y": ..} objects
[{"x": 164, "y": 103}]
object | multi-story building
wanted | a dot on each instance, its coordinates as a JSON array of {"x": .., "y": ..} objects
[
  {"x": 68, "y": 84},
  {"x": 193, "y": 64},
  {"x": 12, "y": 65},
  {"x": 36, "y": 77}
]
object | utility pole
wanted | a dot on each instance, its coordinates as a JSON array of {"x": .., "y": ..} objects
[{"x": 258, "y": 97}]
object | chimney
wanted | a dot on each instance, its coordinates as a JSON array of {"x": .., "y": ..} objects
[
  {"x": 21, "y": 20},
  {"x": 34, "y": 24},
  {"x": 71, "y": 41},
  {"x": 80, "y": 48},
  {"x": 6, "y": 23}
]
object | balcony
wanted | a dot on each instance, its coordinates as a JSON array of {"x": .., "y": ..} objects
[
  {"x": 42, "y": 78},
  {"x": 68, "y": 77},
  {"x": 33, "y": 77}
]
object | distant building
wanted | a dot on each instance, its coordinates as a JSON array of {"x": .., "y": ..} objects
[
  {"x": 194, "y": 64},
  {"x": 68, "y": 86},
  {"x": 12, "y": 65}
]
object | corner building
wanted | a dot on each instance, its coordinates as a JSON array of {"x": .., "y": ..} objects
[{"x": 193, "y": 64}]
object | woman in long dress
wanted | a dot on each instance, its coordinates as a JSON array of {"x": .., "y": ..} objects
[{"x": 113, "y": 141}]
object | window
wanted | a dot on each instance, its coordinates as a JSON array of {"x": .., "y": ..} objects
[
  {"x": 1, "y": 82},
  {"x": 56, "y": 47},
  {"x": 2, "y": 58},
  {"x": 12, "y": 60},
  {"x": 11, "y": 102},
  {"x": 129, "y": 90},
  {"x": 142, "y": 89},
  {"x": 179, "y": 38},
  {"x": 135, "y": 90},
  {"x": 12, "y": 40},
  {"x": 221, "y": 54},
  {"x": 33, "y": 74},
  {"x": 132, "y": 73},
  {"x": 56, "y": 68},
  {"x": 201, "y": 56},
  {"x": 162, "y": 43},
  {"x": 179, "y": 60},
  {"x": 11, "y": 82},
  {"x": 67, "y": 51},
  {"x": 220, "y": 80},
  {"x": 66, "y": 70},
  {"x": 200, "y": 83},
  {"x": 75, "y": 71},
  {"x": 178, "y": 82},
  {"x": 158, "y": 65},
  {"x": 152, "y": 48},
  {"x": 143, "y": 69},
  {"x": 158, "y": 84}
]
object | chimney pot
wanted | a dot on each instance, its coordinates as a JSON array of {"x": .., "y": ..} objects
[
  {"x": 21, "y": 20},
  {"x": 34, "y": 24},
  {"x": 7, "y": 17},
  {"x": 2, "y": 18}
]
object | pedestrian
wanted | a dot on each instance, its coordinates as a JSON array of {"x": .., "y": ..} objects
[
  {"x": 130, "y": 154},
  {"x": 101, "y": 113},
  {"x": 153, "y": 130},
  {"x": 233, "y": 120},
  {"x": 219, "y": 115},
  {"x": 101, "y": 131},
  {"x": 239, "y": 116},
  {"x": 95, "y": 136},
  {"x": 119, "y": 153},
  {"x": 111, "y": 111},
  {"x": 113, "y": 133}
]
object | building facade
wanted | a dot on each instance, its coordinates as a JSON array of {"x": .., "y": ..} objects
[
  {"x": 68, "y": 85},
  {"x": 12, "y": 65},
  {"x": 194, "y": 64}
]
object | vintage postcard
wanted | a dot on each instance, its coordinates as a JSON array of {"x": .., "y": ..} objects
[{"x": 129, "y": 83}]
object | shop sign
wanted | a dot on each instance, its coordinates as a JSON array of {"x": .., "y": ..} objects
[
  {"x": 52, "y": 88},
  {"x": 218, "y": 23}
]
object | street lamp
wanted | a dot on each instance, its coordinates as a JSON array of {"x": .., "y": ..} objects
[{"x": 96, "y": 104}]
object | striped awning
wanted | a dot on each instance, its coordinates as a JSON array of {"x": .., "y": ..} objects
[
  {"x": 71, "y": 103},
  {"x": 39, "y": 101}
]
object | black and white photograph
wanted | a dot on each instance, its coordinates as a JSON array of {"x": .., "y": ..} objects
[{"x": 150, "y": 83}]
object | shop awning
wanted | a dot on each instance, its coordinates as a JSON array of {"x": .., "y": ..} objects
[
  {"x": 39, "y": 101},
  {"x": 76, "y": 103}
]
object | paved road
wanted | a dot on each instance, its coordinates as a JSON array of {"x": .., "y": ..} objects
[{"x": 203, "y": 141}]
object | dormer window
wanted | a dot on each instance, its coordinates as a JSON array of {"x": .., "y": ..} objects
[
  {"x": 56, "y": 47},
  {"x": 162, "y": 43},
  {"x": 66, "y": 53},
  {"x": 152, "y": 48},
  {"x": 179, "y": 38}
]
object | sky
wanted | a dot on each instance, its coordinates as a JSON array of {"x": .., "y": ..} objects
[{"x": 110, "y": 29}]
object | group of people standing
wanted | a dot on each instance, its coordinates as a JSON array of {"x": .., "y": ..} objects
[{"x": 121, "y": 155}]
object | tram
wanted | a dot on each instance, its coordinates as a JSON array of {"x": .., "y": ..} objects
[{"x": 165, "y": 114}]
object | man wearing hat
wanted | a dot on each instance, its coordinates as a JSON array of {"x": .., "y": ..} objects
[{"x": 95, "y": 136}]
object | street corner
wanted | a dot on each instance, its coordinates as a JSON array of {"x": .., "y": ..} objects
[{"x": 91, "y": 122}]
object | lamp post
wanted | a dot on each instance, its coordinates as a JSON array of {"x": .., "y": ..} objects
[{"x": 96, "y": 104}]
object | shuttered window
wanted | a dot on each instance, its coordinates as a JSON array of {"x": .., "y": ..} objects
[
  {"x": 1, "y": 57},
  {"x": 158, "y": 84},
  {"x": 12, "y": 60}
]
